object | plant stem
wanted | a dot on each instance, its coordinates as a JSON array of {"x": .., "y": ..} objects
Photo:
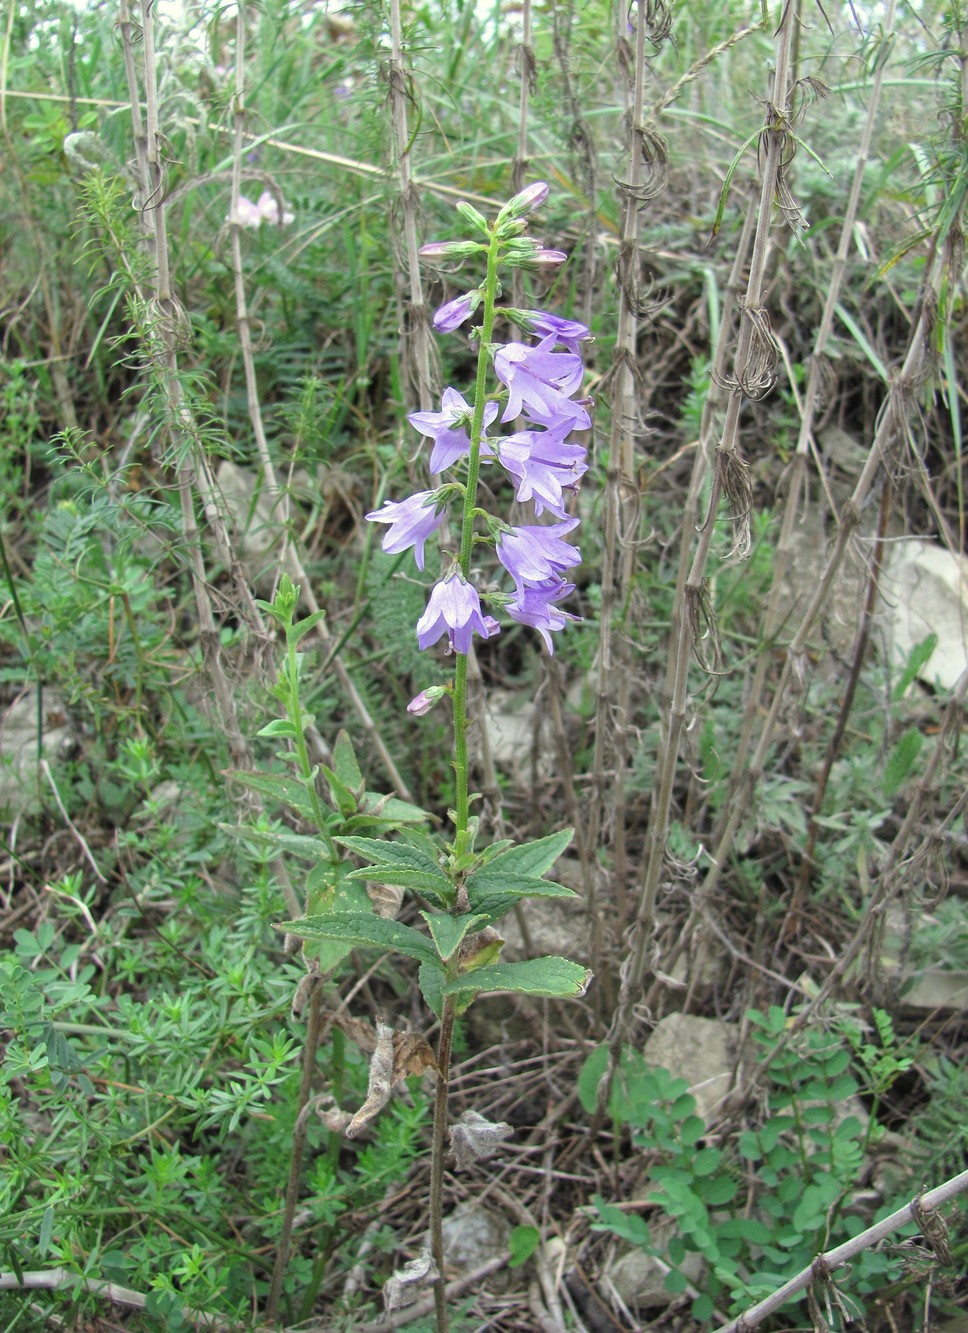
[
  {"x": 313, "y": 1029},
  {"x": 467, "y": 537},
  {"x": 460, "y": 766},
  {"x": 437, "y": 1161}
]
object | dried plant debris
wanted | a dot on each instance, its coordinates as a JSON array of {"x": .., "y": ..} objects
[
  {"x": 473, "y": 1137},
  {"x": 407, "y": 1284},
  {"x": 394, "y": 1056}
]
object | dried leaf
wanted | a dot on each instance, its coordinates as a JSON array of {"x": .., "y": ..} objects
[
  {"x": 386, "y": 899},
  {"x": 381, "y": 1081},
  {"x": 358, "y": 1030},
  {"x": 473, "y": 1137},
  {"x": 411, "y": 1055},
  {"x": 307, "y": 984},
  {"x": 335, "y": 1120},
  {"x": 405, "y": 1285}
]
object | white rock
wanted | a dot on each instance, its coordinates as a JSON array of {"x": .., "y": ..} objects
[
  {"x": 925, "y": 591},
  {"x": 19, "y": 761},
  {"x": 700, "y": 1050}
]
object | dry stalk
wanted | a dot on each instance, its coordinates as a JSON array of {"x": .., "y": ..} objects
[
  {"x": 621, "y": 505},
  {"x": 414, "y": 334},
  {"x": 921, "y": 1209},
  {"x": 528, "y": 71},
  {"x": 751, "y": 376},
  {"x": 292, "y": 560},
  {"x": 166, "y": 329},
  {"x": 892, "y": 425}
]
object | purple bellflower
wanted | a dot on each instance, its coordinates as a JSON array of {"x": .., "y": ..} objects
[
  {"x": 411, "y": 522},
  {"x": 542, "y": 463},
  {"x": 455, "y": 313},
  {"x": 532, "y": 555},
  {"x": 448, "y": 429},
  {"x": 454, "y": 609},
  {"x": 568, "y": 332},
  {"x": 543, "y": 466},
  {"x": 539, "y": 381},
  {"x": 534, "y": 606}
]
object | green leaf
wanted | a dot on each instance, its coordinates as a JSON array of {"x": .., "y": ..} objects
[
  {"x": 344, "y": 800},
  {"x": 528, "y": 860},
  {"x": 901, "y": 760},
  {"x": 448, "y": 931},
  {"x": 438, "y": 888},
  {"x": 279, "y": 726},
  {"x": 430, "y": 979},
  {"x": 717, "y": 1190},
  {"x": 918, "y": 658},
  {"x": 392, "y": 810},
  {"x": 705, "y": 1161},
  {"x": 303, "y": 626},
  {"x": 522, "y": 1243},
  {"x": 288, "y": 791},
  {"x": 380, "y": 852},
  {"x": 361, "y": 930},
  {"x": 702, "y": 1308},
  {"x": 278, "y": 839},
  {"x": 345, "y": 766},
  {"x": 46, "y": 1231},
  {"x": 497, "y": 903},
  {"x": 589, "y": 1077},
  {"x": 399, "y": 863},
  {"x": 536, "y": 976}
]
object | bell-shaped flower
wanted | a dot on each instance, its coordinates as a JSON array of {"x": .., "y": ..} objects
[
  {"x": 455, "y": 313},
  {"x": 411, "y": 522},
  {"x": 448, "y": 429},
  {"x": 538, "y": 379},
  {"x": 454, "y": 609},
  {"x": 532, "y": 555},
  {"x": 568, "y": 332},
  {"x": 535, "y": 607},
  {"x": 268, "y": 206},
  {"x": 543, "y": 465}
]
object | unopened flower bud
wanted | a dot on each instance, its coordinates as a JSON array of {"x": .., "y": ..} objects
[
  {"x": 538, "y": 259},
  {"x": 476, "y": 219},
  {"x": 450, "y": 249},
  {"x": 530, "y": 198},
  {"x": 425, "y": 700}
]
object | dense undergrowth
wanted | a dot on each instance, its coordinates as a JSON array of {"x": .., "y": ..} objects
[{"x": 214, "y": 327}]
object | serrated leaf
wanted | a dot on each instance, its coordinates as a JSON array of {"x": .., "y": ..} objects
[
  {"x": 436, "y": 887},
  {"x": 380, "y": 852},
  {"x": 448, "y": 931},
  {"x": 279, "y": 726},
  {"x": 331, "y": 894},
  {"x": 361, "y": 930},
  {"x": 344, "y": 764},
  {"x": 496, "y": 904},
  {"x": 302, "y": 627},
  {"x": 535, "y": 976},
  {"x": 288, "y": 791},
  {"x": 529, "y": 860}
]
